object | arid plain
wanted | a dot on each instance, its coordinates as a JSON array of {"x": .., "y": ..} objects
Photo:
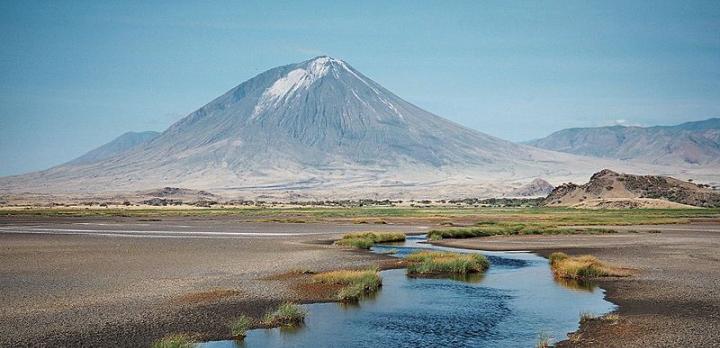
[{"x": 128, "y": 277}]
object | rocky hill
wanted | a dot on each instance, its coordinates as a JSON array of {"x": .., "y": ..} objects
[
  {"x": 610, "y": 189},
  {"x": 687, "y": 144},
  {"x": 536, "y": 188}
]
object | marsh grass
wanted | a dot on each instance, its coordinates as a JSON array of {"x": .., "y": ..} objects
[
  {"x": 240, "y": 326},
  {"x": 175, "y": 341},
  {"x": 287, "y": 314},
  {"x": 583, "y": 267},
  {"x": 365, "y": 240},
  {"x": 356, "y": 284},
  {"x": 437, "y": 263},
  {"x": 493, "y": 228}
]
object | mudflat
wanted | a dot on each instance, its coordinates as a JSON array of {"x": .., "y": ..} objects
[
  {"x": 673, "y": 297},
  {"x": 127, "y": 281}
]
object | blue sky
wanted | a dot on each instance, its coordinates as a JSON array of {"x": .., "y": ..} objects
[{"x": 76, "y": 74}]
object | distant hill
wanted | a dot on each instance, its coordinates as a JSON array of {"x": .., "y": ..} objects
[
  {"x": 691, "y": 143},
  {"x": 608, "y": 189},
  {"x": 123, "y": 143}
]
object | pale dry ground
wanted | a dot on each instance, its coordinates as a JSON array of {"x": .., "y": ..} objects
[
  {"x": 125, "y": 281},
  {"x": 671, "y": 300}
]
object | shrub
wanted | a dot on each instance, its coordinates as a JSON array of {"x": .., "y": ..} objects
[
  {"x": 434, "y": 262},
  {"x": 239, "y": 327},
  {"x": 287, "y": 314},
  {"x": 174, "y": 341}
]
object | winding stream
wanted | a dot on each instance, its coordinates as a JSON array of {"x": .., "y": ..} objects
[{"x": 514, "y": 302}]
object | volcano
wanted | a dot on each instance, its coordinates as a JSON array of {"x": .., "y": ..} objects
[{"x": 318, "y": 128}]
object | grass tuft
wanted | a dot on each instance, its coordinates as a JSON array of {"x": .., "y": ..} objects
[
  {"x": 583, "y": 267},
  {"x": 435, "y": 262},
  {"x": 287, "y": 314},
  {"x": 356, "y": 284},
  {"x": 587, "y": 316},
  {"x": 175, "y": 341},
  {"x": 240, "y": 326},
  {"x": 365, "y": 240}
]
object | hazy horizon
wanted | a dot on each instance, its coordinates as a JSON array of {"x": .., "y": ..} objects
[{"x": 77, "y": 75}]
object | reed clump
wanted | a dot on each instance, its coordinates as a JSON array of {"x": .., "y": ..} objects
[
  {"x": 356, "y": 283},
  {"x": 240, "y": 326},
  {"x": 437, "y": 263},
  {"x": 365, "y": 240},
  {"x": 287, "y": 314},
  {"x": 583, "y": 267}
]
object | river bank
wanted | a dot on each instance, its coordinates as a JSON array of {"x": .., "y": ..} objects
[{"x": 673, "y": 299}]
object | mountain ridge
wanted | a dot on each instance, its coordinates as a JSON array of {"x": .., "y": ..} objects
[{"x": 695, "y": 143}]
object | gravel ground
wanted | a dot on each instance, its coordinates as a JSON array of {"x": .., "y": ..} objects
[
  {"x": 123, "y": 282},
  {"x": 673, "y": 300}
]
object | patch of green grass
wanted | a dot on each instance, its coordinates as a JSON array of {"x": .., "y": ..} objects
[
  {"x": 436, "y": 263},
  {"x": 175, "y": 341},
  {"x": 554, "y": 215},
  {"x": 240, "y": 326},
  {"x": 583, "y": 267},
  {"x": 287, "y": 314},
  {"x": 356, "y": 284},
  {"x": 359, "y": 243},
  {"x": 365, "y": 240},
  {"x": 492, "y": 228}
]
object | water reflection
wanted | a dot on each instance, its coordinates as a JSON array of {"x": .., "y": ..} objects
[{"x": 576, "y": 284}]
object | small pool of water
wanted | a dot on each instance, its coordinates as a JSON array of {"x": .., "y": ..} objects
[{"x": 514, "y": 302}]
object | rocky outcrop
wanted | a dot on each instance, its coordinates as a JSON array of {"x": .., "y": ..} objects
[{"x": 614, "y": 187}]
